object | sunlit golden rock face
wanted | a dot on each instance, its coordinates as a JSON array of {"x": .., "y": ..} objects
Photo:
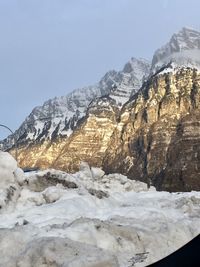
[
  {"x": 40, "y": 155},
  {"x": 158, "y": 140},
  {"x": 88, "y": 142},
  {"x": 155, "y": 138}
]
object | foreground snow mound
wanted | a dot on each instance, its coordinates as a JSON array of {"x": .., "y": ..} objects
[
  {"x": 57, "y": 251},
  {"x": 91, "y": 219},
  {"x": 8, "y": 166},
  {"x": 10, "y": 178}
]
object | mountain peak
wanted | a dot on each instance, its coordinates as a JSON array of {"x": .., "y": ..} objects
[
  {"x": 188, "y": 29},
  {"x": 185, "y": 39},
  {"x": 182, "y": 49},
  {"x": 136, "y": 63}
]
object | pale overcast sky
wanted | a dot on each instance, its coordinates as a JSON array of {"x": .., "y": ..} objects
[{"x": 50, "y": 47}]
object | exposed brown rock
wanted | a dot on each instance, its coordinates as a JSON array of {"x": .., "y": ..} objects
[
  {"x": 48, "y": 179},
  {"x": 158, "y": 138}
]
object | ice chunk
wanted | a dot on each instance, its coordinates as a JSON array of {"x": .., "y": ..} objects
[{"x": 97, "y": 173}]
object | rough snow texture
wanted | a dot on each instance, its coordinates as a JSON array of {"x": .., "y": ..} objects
[
  {"x": 183, "y": 50},
  {"x": 58, "y": 117},
  {"x": 91, "y": 219},
  {"x": 10, "y": 178}
]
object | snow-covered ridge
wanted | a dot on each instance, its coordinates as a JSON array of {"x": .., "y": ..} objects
[
  {"x": 132, "y": 77},
  {"x": 59, "y": 116},
  {"x": 128, "y": 82},
  {"x": 183, "y": 49},
  {"x": 89, "y": 219}
]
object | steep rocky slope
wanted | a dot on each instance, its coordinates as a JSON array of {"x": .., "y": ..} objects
[
  {"x": 88, "y": 142},
  {"x": 158, "y": 137}
]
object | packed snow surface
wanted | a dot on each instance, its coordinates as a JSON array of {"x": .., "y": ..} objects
[{"x": 51, "y": 218}]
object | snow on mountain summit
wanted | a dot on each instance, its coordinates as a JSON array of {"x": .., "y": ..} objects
[{"x": 183, "y": 49}]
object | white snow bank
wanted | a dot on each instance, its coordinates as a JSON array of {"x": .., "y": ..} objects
[
  {"x": 10, "y": 178},
  {"x": 8, "y": 166},
  {"x": 9, "y": 172},
  {"x": 91, "y": 219}
]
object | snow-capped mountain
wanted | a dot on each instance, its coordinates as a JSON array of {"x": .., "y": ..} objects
[
  {"x": 158, "y": 134},
  {"x": 153, "y": 137},
  {"x": 183, "y": 49},
  {"x": 59, "y": 116}
]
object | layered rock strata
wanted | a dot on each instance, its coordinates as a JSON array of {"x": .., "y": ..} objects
[{"x": 158, "y": 137}]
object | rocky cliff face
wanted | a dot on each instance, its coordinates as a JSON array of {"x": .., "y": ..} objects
[
  {"x": 152, "y": 137},
  {"x": 158, "y": 137},
  {"x": 88, "y": 142}
]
